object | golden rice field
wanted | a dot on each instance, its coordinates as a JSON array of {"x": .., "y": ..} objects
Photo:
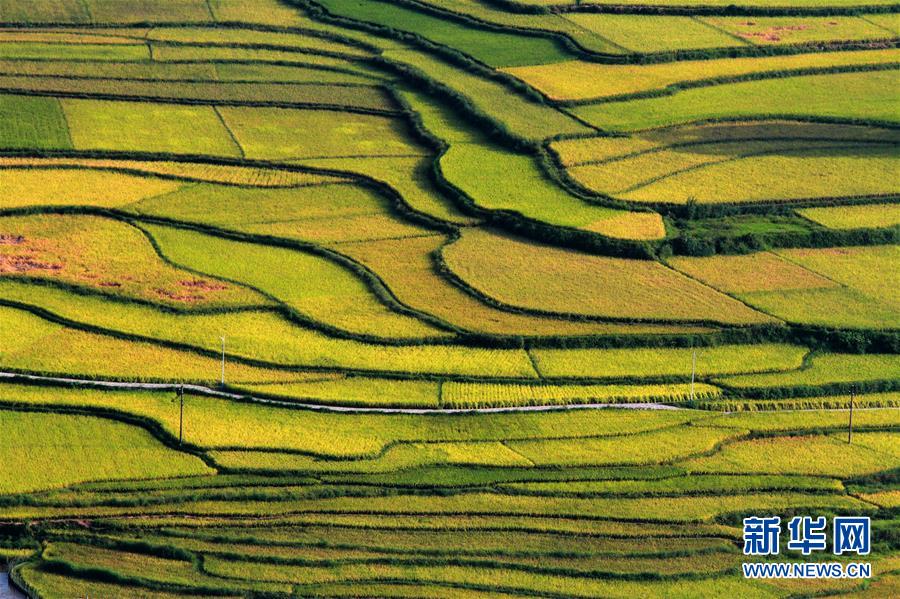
[{"x": 445, "y": 298}]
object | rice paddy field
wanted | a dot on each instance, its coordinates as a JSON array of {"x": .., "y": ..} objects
[{"x": 445, "y": 298}]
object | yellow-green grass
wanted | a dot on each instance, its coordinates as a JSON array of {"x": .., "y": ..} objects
[
  {"x": 677, "y": 509},
  {"x": 812, "y": 455},
  {"x": 647, "y": 448},
  {"x": 125, "y": 70},
  {"x": 602, "y": 149},
  {"x": 72, "y": 35},
  {"x": 544, "y": 22},
  {"x": 885, "y": 499},
  {"x": 839, "y": 307},
  {"x": 146, "y": 127},
  {"x": 269, "y": 12},
  {"x": 407, "y": 268},
  {"x": 282, "y": 134},
  {"x": 317, "y": 287},
  {"x": 166, "y": 53},
  {"x": 864, "y": 95},
  {"x": 269, "y": 337},
  {"x": 434, "y": 524},
  {"x": 476, "y": 395},
  {"x": 146, "y": 566},
  {"x": 889, "y": 399},
  {"x": 872, "y": 270},
  {"x": 888, "y": 22},
  {"x": 850, "y": 287},
  {"x": 499, "y": 582},
  {"x": 362, "y": 391},
  {"x": 408, "y": 176},
  {"x": 520, "y": 116},
  {"x": 644, "y": 362},
  {"x": 26, "y": 50},
  {"x": 32, "y": 122},
  {"x": 799, "y": 420},
  {"x": 682, "y": 485},
  {"x": 540, "y": 277},
  {"x": 318, "y": 213},
  {"x": 364, "y": 97},
  {"x": 406, "y": 568},
  {"x": 94, "y": 449},
  {"x": 495, "y": 47},
  {"x": 758, "y": 272},
  {"x": 581, "y": 80},
  {"x": 827, "y": 369},
  {"x": 54, "y": 11},
  {"x": 498, "y": 179},
  {"x": 854, "y": 217},
  {"x": 469, "y": 542},
  {"x": 59, "y": 586},
  {"x": 808, "y": 170},
  {"x": 109, "y": 256},
  {"x": 211, "y": 422},
  {"x": 74, "y": 186},
  {"x": 351, "y": 73},
  {"x": 736, "y": 170},
  {"x": 764, "y": 31},
  {"x": 31, "y": 344},
  {"x": 642, "y": 33},
  {"x": 246, "y": 176},
  {"x": 105, "y": 11},
  {"x": 238, "y": 37}
]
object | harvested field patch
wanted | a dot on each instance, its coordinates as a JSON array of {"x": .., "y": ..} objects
[{"x": 93, "y": 252}]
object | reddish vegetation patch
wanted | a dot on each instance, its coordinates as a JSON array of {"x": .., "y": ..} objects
[
  {"x": 772, "y": 33},
  {"x": 19, "y": 263},
  {"x": 202, "y": 285}
]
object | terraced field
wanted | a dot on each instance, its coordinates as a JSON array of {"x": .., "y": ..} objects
[{"x": 444, "y": 298}]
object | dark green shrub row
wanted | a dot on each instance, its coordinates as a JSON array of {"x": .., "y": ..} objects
[{"x": 692, "y": 244}]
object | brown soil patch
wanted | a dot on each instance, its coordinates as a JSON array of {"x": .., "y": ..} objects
[
  {"x": 10, "y": 239},
  {"x": 19, "y": 263},
  {"x": 202, "y": 285},
  {"x": 189, "y": 298},
  {"x": 772, "y": 34}
]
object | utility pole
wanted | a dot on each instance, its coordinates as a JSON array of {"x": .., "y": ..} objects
[
  {"x": 181, "y": 415},
  {"x": 850, "y": 424},
  {"x": 223, "y": 360}
]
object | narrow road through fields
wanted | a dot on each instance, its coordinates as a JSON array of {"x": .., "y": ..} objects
[{"x": 202, "y": 390}]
